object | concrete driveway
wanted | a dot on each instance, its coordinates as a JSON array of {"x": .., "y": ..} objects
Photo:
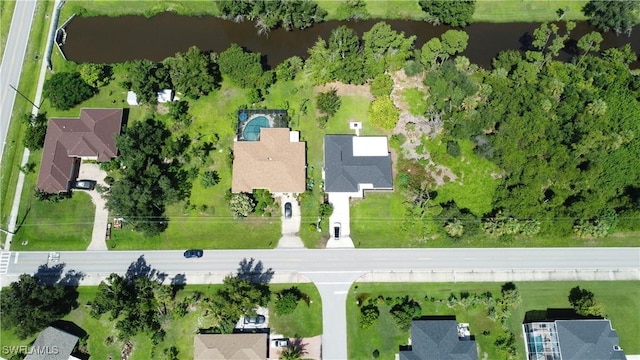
[
  {"x": 290, "y": 227},
  {"x": 341, "y": 215},
  {"x": 101, "y": 218}
]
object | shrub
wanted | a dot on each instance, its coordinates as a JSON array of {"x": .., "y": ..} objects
[
  {"x": 404, "y": 311},
  {"x": 287, "y": 301},
  {"x": 381, "y": 85},
  {"x": 368, "y": 315},
  {"x": 241, "y": 204},
  {"x": 322, "y": 121},
  {"x": 210, "y": 178},
  {"x": 453, "y": 148},
  {"x": 66, "y": 90},
  {"x": 328, "y": 102},
  {"x": 383, "y": 113},
  {"x": 109, "y": 180}
]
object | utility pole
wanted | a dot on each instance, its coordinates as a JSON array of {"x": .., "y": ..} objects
[{"x": 21, "y": 94}]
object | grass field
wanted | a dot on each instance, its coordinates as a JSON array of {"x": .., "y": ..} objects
[
  {"x": 6, "y": 13},
  {"x": 145, "y": 8},
  {"x": 180, "y": 331},
  {"x": 486, "y": 10},
  {"x": 12, "y": 155},
  {"x": 620, "y": 298}
]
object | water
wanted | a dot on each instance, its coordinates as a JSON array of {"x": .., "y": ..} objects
[{"x": 111, "y": 40}]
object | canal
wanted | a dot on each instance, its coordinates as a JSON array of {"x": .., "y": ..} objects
[{"x": 117, "y": 39}]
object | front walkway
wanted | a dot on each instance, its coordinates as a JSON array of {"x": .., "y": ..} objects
[
  {"x": 101, "y": 218},
  {"x": 290, "y": 227}
]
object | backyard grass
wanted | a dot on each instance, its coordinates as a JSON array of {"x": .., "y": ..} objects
[
  {"x": 620, "y": 298},
  {"x": 6, "y": 13},
  {"x": 180, "y": 331},
  {"x": 12, "y": 155}
]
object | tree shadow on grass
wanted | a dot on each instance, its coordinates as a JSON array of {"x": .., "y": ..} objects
[{"x": 254, "y": 271}]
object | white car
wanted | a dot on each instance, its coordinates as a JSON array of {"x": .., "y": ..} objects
[{"x": 280, "y": 342}]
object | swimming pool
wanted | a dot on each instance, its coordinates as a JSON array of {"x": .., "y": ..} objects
[{"x": 251, "y": 130}]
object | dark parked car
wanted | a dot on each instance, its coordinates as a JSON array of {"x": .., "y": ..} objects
[
  {"x": 287, "y": 210},
  {"x": 336, "y": 230},
  {"x": 84, "y": 184},
  {"x": 193, "y": 253},
  {"x": 258, "y": 319}
]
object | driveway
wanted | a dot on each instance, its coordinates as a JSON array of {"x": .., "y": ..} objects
[
  {"x": 290, "y": 227},
  {"x": 101, "y": 218},
  {"x": 341, "y": 215}
]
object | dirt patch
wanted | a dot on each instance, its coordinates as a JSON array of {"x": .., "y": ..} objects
[
  {"x": 346, "y": 89},
  {"x": 402, "y": 82},
  {"x": 162, "y": 109}
]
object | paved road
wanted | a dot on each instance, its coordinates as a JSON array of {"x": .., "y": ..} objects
[
  {"x": 12, "y": 60},
  {"x": 333, "y": 270}
]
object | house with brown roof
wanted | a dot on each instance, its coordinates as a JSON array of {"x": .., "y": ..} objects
[
  {"x": 69, "y": 140},
  {"x": 276, "y": 162},
  {"x": 241, "y": 346}
]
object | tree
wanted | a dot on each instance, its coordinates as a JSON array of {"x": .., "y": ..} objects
[
  {"x": 345, "y": 60},
  {"x": 381, "y": 86},
  {"x": 242, "y": 67},
  {"x": 609, "y": 15},
  {"x": 589, "y": 42},
  {"x": 179, "y": 110},
  {"x": 583, "y": 301},
  {"x": 36, "y": 131},
  {"x": 210, "y": 178},
  {"x": 328, "y": 102},
  {"x": 383, "y": 114},
  {"x": 96, "y": 75},
  {"x": 263, "y": 199},
  {"x": 193, "y": 73},
  {"x": 288, "y": 69},
  {"x": 147, "y": 78},
  {"x": 149, "y": 182},
  {"x": 454, "y": 41},
  {"x": 385, "y": 49},
  {"x": 352, "y": 10},
  {"x": 237, "y": 297},
  {"x": 66, "y": 90},
  {"x": 454, "y": 13},
  {"x": 241, "y": 204},
  {"x": 293, "y": 14},
  {"x": 437, "y": 50},
  {"x": 29, "y": 305},
  {"x": 292, "y": 352},
  {"x": 404, "y": 311}
]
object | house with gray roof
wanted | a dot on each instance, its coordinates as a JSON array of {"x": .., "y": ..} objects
[
  {"x": 53, "y": 344},
  {"x": 352, "y": 165},
  {"x": 240, "y": 346},
  {"x": 440, "y": 339},
  {"x": 582, "y": 339}
]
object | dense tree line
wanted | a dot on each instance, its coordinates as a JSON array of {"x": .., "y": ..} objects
[
  {"x": 269, "y": 14},
  {"x": 454, "y": 13},
  {"x": 564, "y": 134},
  {"x": 613, "y": 15}
]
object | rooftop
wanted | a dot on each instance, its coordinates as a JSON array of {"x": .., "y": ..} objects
[
  {"x": 276, "y": 162},
  {"x": 53, "y": 344},
  {"x": 91, "y": 135},
  {"x": 440, "y": 340},
  {"x": 230, "y": 346},
  {"x": 352, "y": 161}
]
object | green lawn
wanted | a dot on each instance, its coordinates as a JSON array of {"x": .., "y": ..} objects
[
  {"x": 527, "y": 10},
  {"x": 6, "y": 13},
  {"x": 145, "y": 8},
  {"x": 12, "y": 155},
  {"x": 180, "y": 331},
  {"x": 621, "y": 300},
  {"x": 486, "y": 10},
  {"x": 305, "y": 321}
]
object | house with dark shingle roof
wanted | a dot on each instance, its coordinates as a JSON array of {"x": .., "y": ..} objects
[
  {"x": 53, "y": 344},
  {"x": 439, "y": 340},
  {"x": 241, "y": 346},
  {"x": 69, "y": 140},
  {"x": 582, "y": 339},
  {"x": 353, "y": 164}
]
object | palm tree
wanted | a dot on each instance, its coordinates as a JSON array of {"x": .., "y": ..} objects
[{"x": 293, "y": 352}]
